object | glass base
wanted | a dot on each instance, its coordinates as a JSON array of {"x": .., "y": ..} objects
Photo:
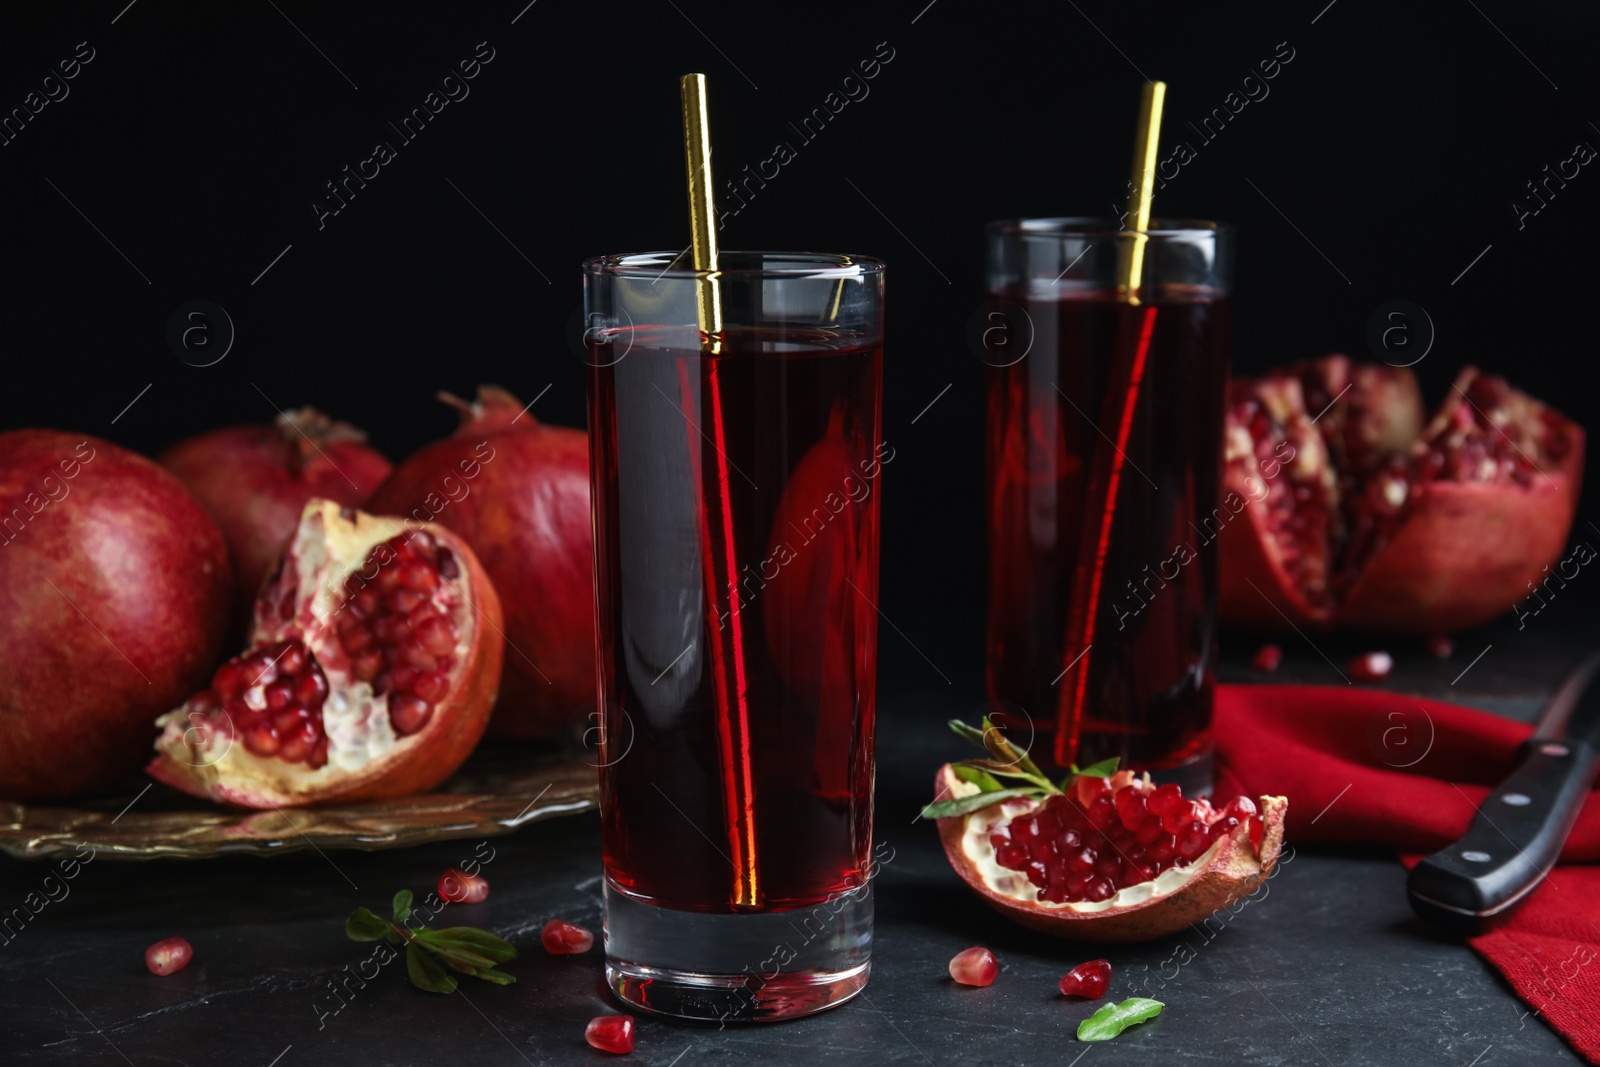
[{"x": 750, "y": 967}]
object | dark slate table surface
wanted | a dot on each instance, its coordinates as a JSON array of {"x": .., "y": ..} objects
[{"x": 1329, "y": 967}]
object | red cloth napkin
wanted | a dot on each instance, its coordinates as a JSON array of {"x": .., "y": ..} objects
[{"x": 1372, "y": 767}]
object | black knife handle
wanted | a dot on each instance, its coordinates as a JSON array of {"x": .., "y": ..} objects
[{"x": 1512, "y": 843}]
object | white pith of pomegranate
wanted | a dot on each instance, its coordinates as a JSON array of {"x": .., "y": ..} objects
[
  {"x": 373, "y": 659},
  {"x": 1122, "y": 891},
  {"x": 1407, "y": 530}
]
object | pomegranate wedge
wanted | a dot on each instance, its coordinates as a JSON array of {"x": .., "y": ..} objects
[
  {"x": 1111, "y": 859},
  {"x": 372, "y": 666}
]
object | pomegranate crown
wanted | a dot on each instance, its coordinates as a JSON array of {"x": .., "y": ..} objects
[
  {"x": 494, "y": 411},
  {"x": 1005, "y": 761},
  {"x": 306, "y": 431}
]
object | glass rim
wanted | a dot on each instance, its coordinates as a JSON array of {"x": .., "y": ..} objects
[
  {"x": 657, "y": 265},
  {"x": 1103, "y": 227}
]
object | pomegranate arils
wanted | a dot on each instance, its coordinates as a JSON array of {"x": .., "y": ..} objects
[
  {"x": 165, "y": 957},
  {"x": 562, "y": 938},
  {"x": 459, "y": 887},
  {"x": 610, "y": 1033},
  {"x": 1370, "y": 666},
  {"x": 1439, "y": 646},
  {"x": 1124, "y": 837},
  {"x": 1164, "y": 799},
  {"x": 1267, "y": 658},
  {"x": 270, "y": 699},
  {"x": 408, "y": 713},
  {"x": 395, "y": 626},
  {"x": 1089, "y": 980},
  {"x": 975, "y": 966}
]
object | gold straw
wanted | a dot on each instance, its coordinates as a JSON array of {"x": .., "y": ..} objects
[
  {"x": 1123, "y": 380},
  {"x": 1147, "y": 141},
  {"x": 719, "y": 563},
  {"x": 702, "y": 210}
]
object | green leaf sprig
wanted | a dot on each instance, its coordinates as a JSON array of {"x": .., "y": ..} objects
[
  {"x": 1005, "y": 760},
  {"x": 1112, "y": 1019},
  {"x": 463, "y": 949}
]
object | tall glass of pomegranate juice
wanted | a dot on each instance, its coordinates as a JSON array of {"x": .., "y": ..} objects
[
  {"x": 736, "y": 480},
  {"x": 1104, "y": 460}
]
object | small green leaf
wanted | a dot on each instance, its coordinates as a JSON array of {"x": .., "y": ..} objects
[
  {"x": 1104, "y": 769},
  {"x": 1001, "y": 748},
  {"x": 966, "y": 733},
  {"x": 426, "y": 973},
  {"x": 1004, "y": 770},
  {"x": 461, "y": 966},
  {"x": 480, "y": 941},
  {"x": 458, "y": 958},
  {"x": 978, "y": 777},
  {"x": 946, "y": 808},
  {"x": 402, "y": 905},
  {"x": 363, "y": 925},
  {"x": 1112, "y": 1019},
  {"x": 995, "y": 741},
  {"x": 497, "y": 977}
]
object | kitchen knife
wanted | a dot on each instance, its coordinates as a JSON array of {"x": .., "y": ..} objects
[{"x": 1519, "y": 829}]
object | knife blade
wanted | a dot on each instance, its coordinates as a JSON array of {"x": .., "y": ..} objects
[{"x": 1517, "y": 834}]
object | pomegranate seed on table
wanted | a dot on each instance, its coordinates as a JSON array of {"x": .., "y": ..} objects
[
  {"x": 1267, "y": 658},
  {"x": 565, "y": 939},
  {"x": 1089, "y": 980},
  {"x": 1439, "y": 646},
  {"x": 459, "y": 887},
  {"x": 610, "y": 1033},
  {"x": 975, "y": 966},
  {"x": 165, "y": 957},
  {"x": 1370, "y": 666}
]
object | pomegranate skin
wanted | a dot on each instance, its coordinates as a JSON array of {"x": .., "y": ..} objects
[
  {"x": 1466, "y": 553},
  {"x": 120, "y": 540},
  {"x": 517, "y": 492},
  {"x": 255, "y": 480}
]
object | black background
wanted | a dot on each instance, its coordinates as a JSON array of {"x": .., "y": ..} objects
[{"x": 198, "y": 137}]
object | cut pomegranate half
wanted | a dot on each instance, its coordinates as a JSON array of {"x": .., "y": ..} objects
[
  {"x": 1111, "y": 859},
  {"x": 372, "y": 665},
  {"x": 1379, "y": 524}
]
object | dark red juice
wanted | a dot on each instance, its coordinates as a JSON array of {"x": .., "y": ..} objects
[
  {"x": 736, "y": 516},
  {"x": 1138, "y": 683}
]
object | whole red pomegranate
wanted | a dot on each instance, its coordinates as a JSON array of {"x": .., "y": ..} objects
[
  {"x": 1356, "y": 514},
  {"x": 114, "y": 588},
  {"x": 371, "y": 670},
  {"x": 256, "y": 481},
  {"x": 518, "y": 492},
  {"x": 1104, "y": 857}
]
